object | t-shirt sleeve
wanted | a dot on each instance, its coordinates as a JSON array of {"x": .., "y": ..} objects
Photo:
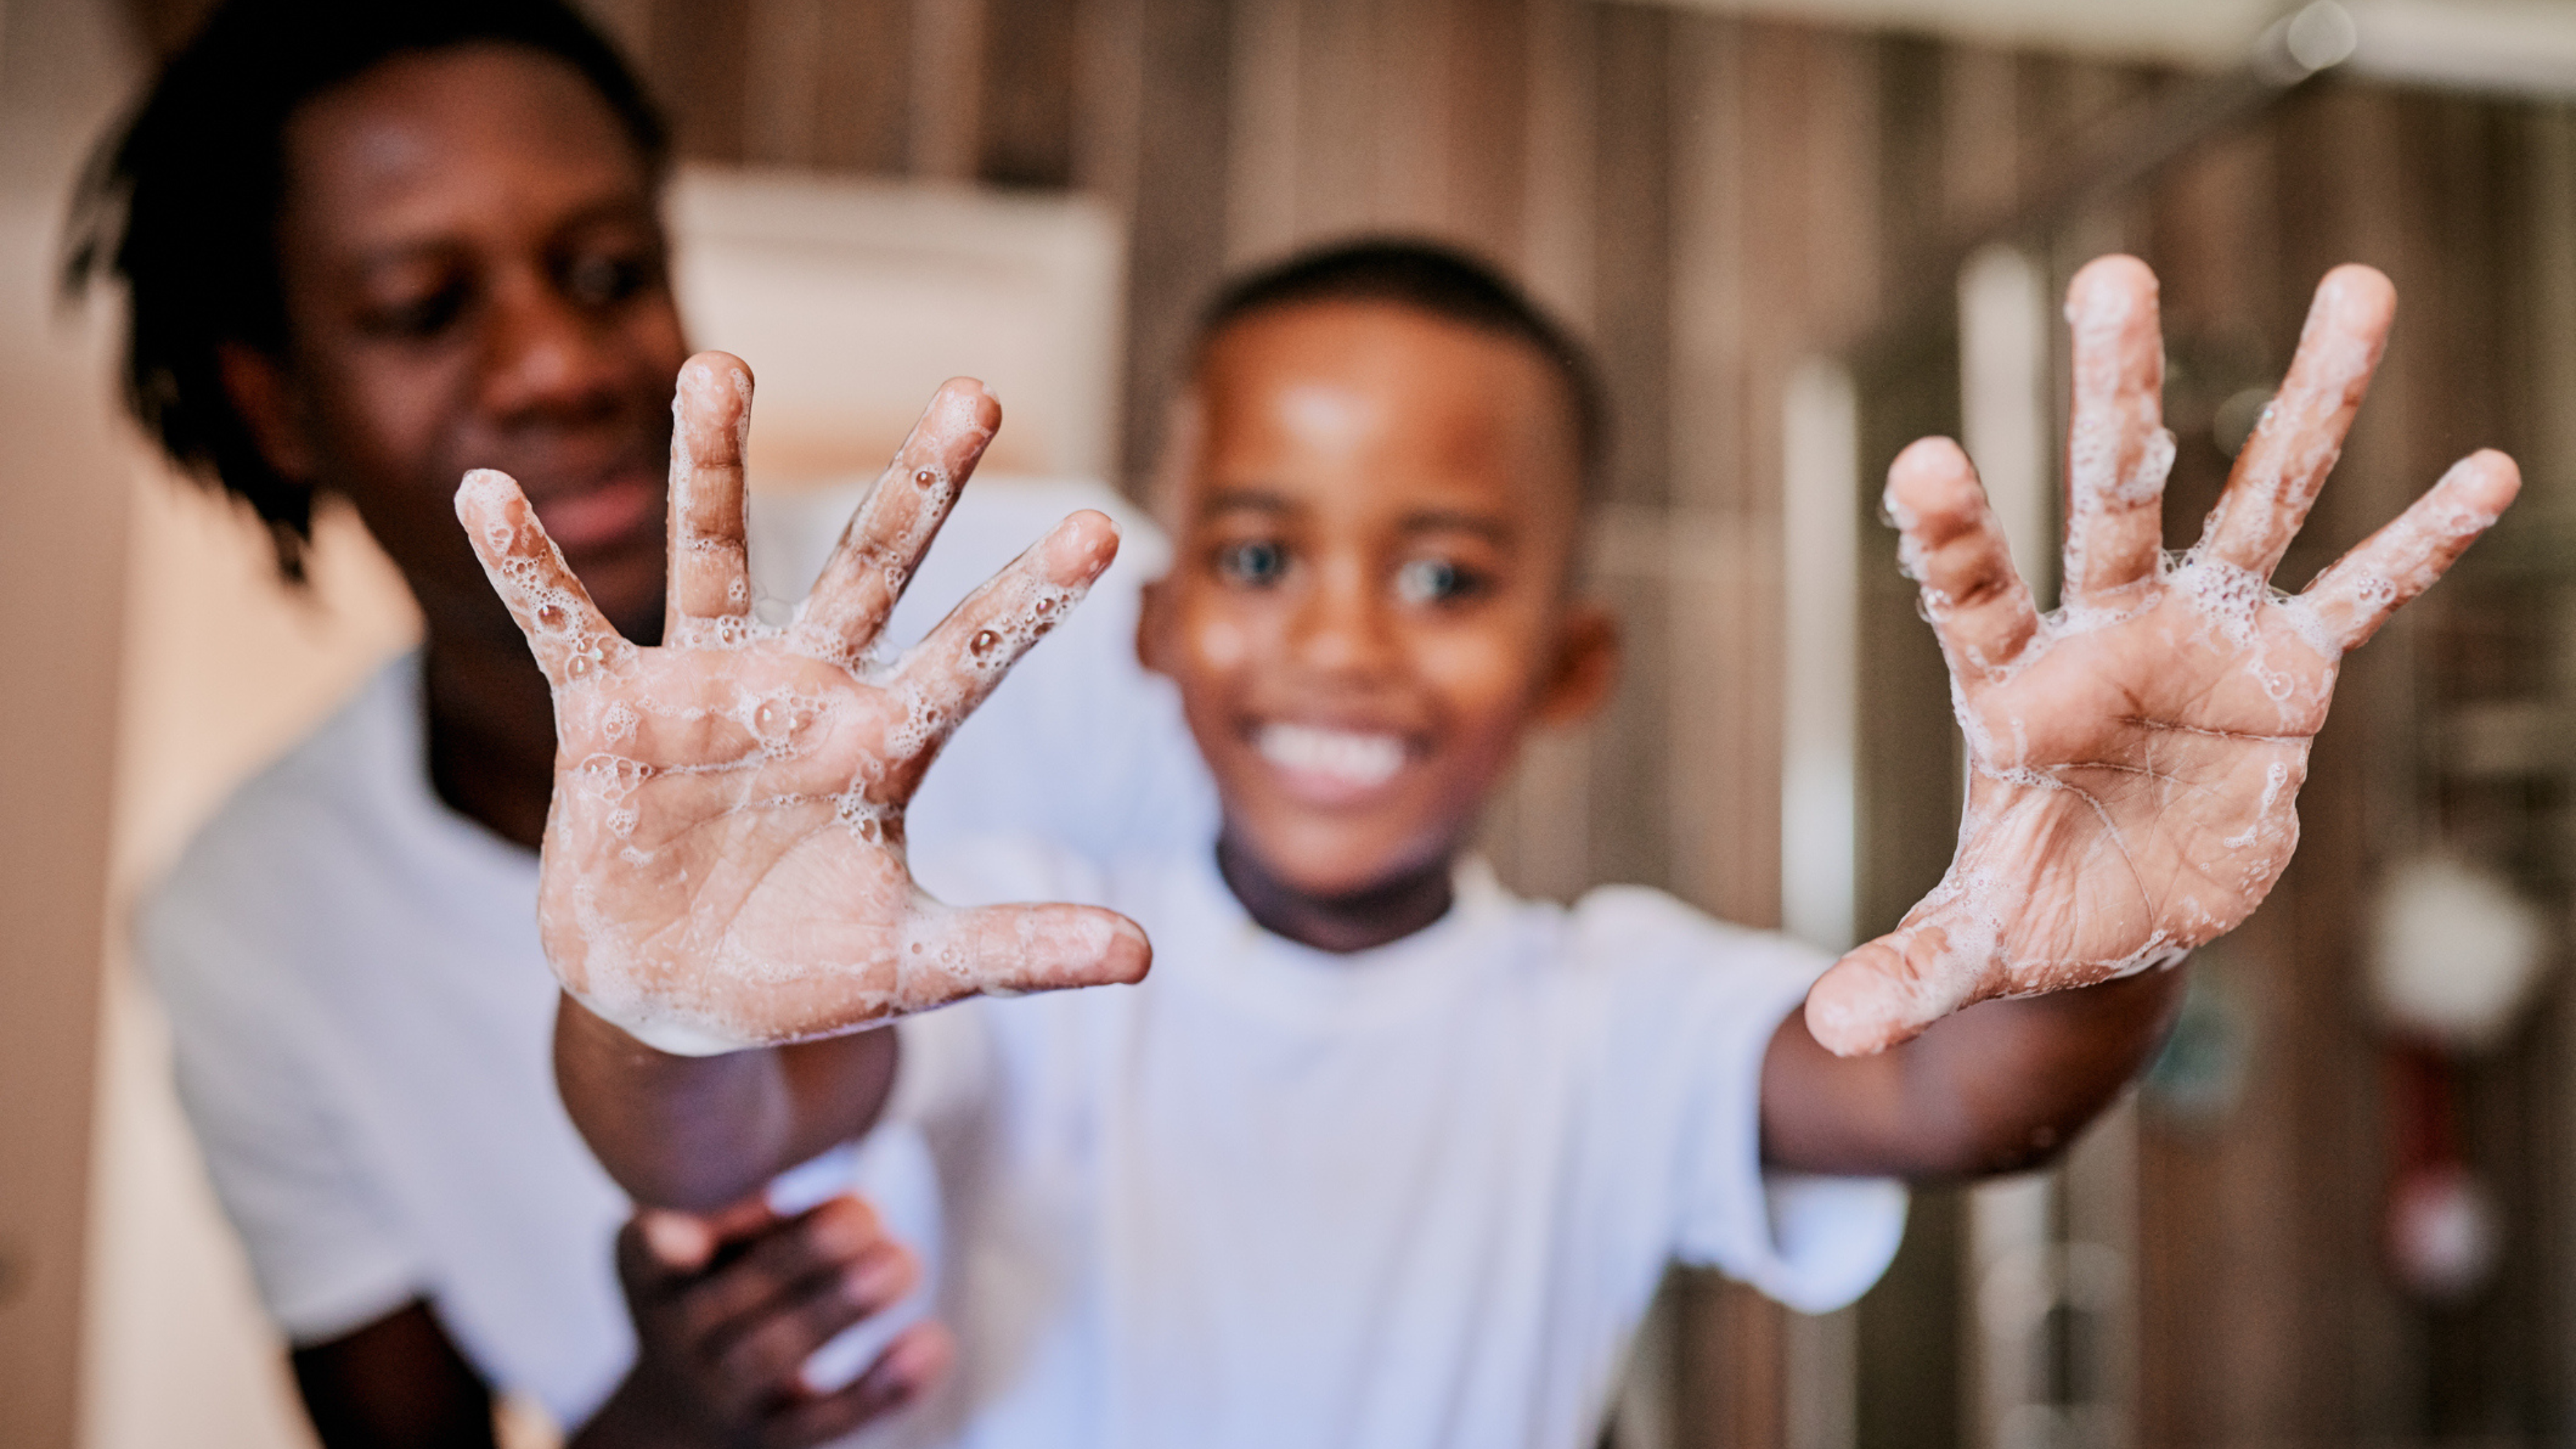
[
  {"x": 325, "y": 1254},
  {"x": 1699, "y": 1003}
]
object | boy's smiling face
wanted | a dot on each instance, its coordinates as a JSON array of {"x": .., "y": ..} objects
[{"x": 1376, "y": 509}]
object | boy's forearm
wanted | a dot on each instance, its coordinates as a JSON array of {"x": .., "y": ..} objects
[
  {"x": 699, "y": 1132},
  {"x": 2015, "y": 1082},
  {"x": 1996, "y": 1088}
]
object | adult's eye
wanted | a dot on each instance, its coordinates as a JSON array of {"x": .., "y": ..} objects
[
  {"x": 1436, "y": 581},
  {"x": 603, "y": 280},
  {"x": 419, "y": 317},
  {"x": 1257, "y": 563}
]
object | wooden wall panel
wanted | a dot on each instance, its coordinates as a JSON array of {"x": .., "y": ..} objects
[
  {"x": 1031, "y": 57},
  {"x": 2267, "y": 1314},
  {"x": 1177, "y": 228}
]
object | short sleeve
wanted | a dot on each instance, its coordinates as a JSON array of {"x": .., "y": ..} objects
[
  {"x": 1706, "y": 999},
  {"x": 325, "y": 1254}
]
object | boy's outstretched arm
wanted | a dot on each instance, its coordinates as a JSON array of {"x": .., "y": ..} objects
[
  {"x": 2134, "y": 759},
  {"x": 724, "y": 885},
  {"x": 1998, "y": 1087}
]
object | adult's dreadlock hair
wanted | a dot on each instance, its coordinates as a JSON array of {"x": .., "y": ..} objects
[{"x": 182, "y": 200}]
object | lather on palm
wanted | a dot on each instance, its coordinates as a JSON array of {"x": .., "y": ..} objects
[
  {"x": 2135, "y": 758},
  {"x": 724, "y": 859}
]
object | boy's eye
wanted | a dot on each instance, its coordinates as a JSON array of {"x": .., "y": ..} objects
[
  {"x": 1257, "y": 563},
  {"x": 1436, "y": 581}
]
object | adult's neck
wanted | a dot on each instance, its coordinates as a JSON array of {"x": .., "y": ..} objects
[
  {"x": 491, "y": 733},
  {"x": 1357, "y": 921}
]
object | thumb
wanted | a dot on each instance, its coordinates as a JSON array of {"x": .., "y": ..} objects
[
  {"x": 1006, "y": 950},
  {"x": 1886, "y": 992}
]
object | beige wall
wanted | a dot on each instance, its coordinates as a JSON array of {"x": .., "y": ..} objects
[
  {"x": 61, "y": 572},
  {"x": 222, "y": 669},
  {"x": 148, "y": 660}
]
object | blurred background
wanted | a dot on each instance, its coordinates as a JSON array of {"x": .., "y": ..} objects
[{"x": 2341, "y": 1210}]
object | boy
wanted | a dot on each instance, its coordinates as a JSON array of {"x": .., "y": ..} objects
[{"x": 1381, "y": 1155}]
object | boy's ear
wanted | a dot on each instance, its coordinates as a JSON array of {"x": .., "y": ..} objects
[
  {"x": 1586, "y": 665},
  {"x": 260, "y": 391},
  {"x": 1152, "y": 603}
]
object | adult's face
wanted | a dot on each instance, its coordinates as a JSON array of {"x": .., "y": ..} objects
[{"x": 475, "y": 277}]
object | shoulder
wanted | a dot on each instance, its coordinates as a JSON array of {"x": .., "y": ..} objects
[
  {"x": 281, "y": 837},
  {"x": 996, "y": 516},
  {"x": 1674, "y": 984},
  {"x": 1639, "y": 928},
  {"x": 1020, "y": 506}
]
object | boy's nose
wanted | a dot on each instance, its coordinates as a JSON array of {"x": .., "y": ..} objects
[{"x": 1341, "y": 626}]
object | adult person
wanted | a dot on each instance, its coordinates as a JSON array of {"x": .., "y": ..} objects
[{"x": 367, "y": 249}]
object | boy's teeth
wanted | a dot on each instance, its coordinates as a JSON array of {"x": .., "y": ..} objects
[{"x": 1357, "y": 759}]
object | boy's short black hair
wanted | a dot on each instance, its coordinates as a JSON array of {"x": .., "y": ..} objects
[
  {"x": 1442, "y": 281},
  {"x": 182, "y": 202}
]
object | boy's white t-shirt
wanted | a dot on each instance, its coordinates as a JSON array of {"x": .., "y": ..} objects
[
  {"x": 363, "y": 1018},
  {"x": 1410, "y": 1197}
]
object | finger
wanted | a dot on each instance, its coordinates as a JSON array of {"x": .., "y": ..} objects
[
  {"x": 2117, "y": 450},
  {"x": 641, "y": 1270},
  {"x": 678, "y": 1242},
  {"x": 1006, "y": 950},
  {"x": 951, "y": 671},
  {"x": 565, "y": 630},
  {"x": 686, "y": 1242},
  {"x": 816, "y": 1245},
  {"x": 895, "y": 524},
  {"x": 768, "y": 1357},
  {"x": 1954, "y": 550},
  {"x": 911, "y": 1366},
  {"x": 2302, "y": 431},
  {"x": 2353, "y": 597},
  {"x": 1888, "y": 991},
  {"x": 710, "y": 569}
]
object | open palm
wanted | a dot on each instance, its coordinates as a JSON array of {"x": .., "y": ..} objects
[
  {"x": 724, "y": 860},
  {"x": 2135, "y": 758}
]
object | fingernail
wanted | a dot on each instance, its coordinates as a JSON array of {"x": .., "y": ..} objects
[
  {"x": 878, "y": 1279},
  {"x": 677, "y": 1241},
  {"x": 916, "y": 1359}
]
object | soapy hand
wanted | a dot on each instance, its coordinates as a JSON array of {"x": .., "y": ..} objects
[
  {"x": 2135, "y": 758},
  {"x": 724, "y": 853}
]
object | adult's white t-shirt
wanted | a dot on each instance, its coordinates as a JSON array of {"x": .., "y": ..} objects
[
  {"x": 362, "y": 1015},
  {"x": 1411, "y": 1197}
]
